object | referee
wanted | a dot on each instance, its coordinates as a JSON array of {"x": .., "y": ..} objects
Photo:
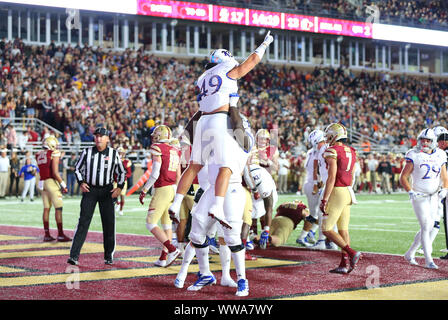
[{"x": 95, "y": 170}]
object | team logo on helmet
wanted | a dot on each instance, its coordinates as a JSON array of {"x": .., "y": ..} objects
[
  {"x": 439, "y": 130},
  {"x": 161, "y": 133},
  {"x": 426, "y": 134},
  {"x": 221, "y": 55},
  {"x": 335, "y": 132},
  {"x": 51, "y": 143}
]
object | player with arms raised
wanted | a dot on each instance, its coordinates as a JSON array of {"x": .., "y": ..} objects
[{"x": 52, "y": 186}]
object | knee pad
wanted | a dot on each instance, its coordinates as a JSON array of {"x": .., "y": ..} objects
[
  {"x": 198, "y": 195},
  {"x": 311, "y": 219},
  {"x": 150, "y": 226},
  {"x": 198, "y": 239},
  {"x": 203, "y": 245},
  {"x": 236, "y": 248},
  {"x": 167, "y": 226}
]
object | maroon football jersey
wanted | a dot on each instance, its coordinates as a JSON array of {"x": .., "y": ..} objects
[
  {"x": 170, "y": 162},
  {"x": 346, "y": 158},
  {"x": 43, "y": 159}
]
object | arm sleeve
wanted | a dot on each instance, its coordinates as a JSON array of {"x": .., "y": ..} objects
[{"x": 155, "y": 173}]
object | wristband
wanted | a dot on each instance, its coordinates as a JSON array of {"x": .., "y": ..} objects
[{"x": 63, "y": 185}]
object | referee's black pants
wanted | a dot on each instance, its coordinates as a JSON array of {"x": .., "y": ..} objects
[{"x": 102, "y": 196}]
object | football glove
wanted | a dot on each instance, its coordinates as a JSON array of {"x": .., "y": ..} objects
[
  {"x": 414, "y": 195},
  {"x": 256, "y": 195},
  {"x": 264, "y": 238},
  {"x": 64, "y": 189},
  {"x": 268, "y": 39},
  {"x": 142, "y": 196},
  {"x": 443, "y": 193},
  {"x": 323, "y": 204}
]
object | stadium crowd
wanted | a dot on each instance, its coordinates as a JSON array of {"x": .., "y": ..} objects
[{"x": 131, "y": 92}]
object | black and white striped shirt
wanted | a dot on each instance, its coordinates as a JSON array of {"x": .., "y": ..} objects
[{"x": 98, "y": 168}]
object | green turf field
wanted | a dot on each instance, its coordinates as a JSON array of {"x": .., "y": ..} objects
[{"x": 379, "y": 223}]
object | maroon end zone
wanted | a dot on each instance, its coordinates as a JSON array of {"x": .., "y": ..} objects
[{"x": 287, "y": 273}]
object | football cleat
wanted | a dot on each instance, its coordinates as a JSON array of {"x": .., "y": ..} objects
[
  {"x": 213, "y": 245},
  {"x": 160, "y": 263},
  {"x": 72, "y": 261},
  {"x": 64, "y": 238},
  {"x": 331, "y": 246},
  {"x": 420, "y": 251},
  {"x": 431, "y": 265},
  {"x": 172, "y": 256},
  {"x": 48, "y": 238},
  {"x": 411, "y": 260},
  {"x": 179, "y": 283},
  {"x": 228, "y": 282},
  {"x": 320, "y": 245},
  {"x": 202, "y": 282},
  {"x": 108, "y": 262},
  {"x": 340, "y": 270},
  {"x": 249, "y": 257},
  {"x": 243, "y": 288},
  {"x": 303, "y": 242},
  {"x": 310, "y": 237},
  {"x": 354, "y": 260}
]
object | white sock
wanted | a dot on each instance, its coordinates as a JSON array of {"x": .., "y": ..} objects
[
  {"x": 315, "y": 227},
  {"x": 415, "y": 245},
  {"x": 240, "y": 263},
  {"x": 202, "y": 256},
  {"x": 225, "y": 256},
  {"x": 189, "y": 254}
]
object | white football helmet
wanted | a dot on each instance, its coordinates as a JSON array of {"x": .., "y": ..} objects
[
  {"x": 222, "y": 55},
  {"x": 426, "y": 134},
  {"x": 315, "y": 137},
  {"x": 439, "y": 130}
]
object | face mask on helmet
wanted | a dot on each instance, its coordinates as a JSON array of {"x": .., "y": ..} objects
[
  {"x": 426, "y": 140},
  {"x": 262, "y": 137}
]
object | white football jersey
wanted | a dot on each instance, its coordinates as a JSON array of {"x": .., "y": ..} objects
[
  {"x": 263, "y": 180},
  {"x": 215, "y": 87},
  {"x": 427, "y": 168},
  {"x": 309, "y": 165},
  {"x": 323, "y": 171}
]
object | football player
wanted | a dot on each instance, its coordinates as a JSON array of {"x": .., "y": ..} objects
[
  {"x": 426, "y": 165},
  {"x": 202, "y": 222},
  {"x": 264, "y": 203},
  {"x": 212, "y": 139},
  {"x": 288, "y": 216},
  {"x": 52, "y": 186},
  {"x": 311, "y": 188},
  {"x": 265, "y": 154},
  {"x": 338, "y": 195},
  {"x": 164, "y": 176},
  {"x": 127, "y": 164},
  {"x": 322, "y": 242}
]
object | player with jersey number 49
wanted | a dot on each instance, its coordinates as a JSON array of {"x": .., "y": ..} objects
[
  {"x": 219, "y": 127},
  {"x": 426, "y": 166},
  {"x": 338, "y": 195}
]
